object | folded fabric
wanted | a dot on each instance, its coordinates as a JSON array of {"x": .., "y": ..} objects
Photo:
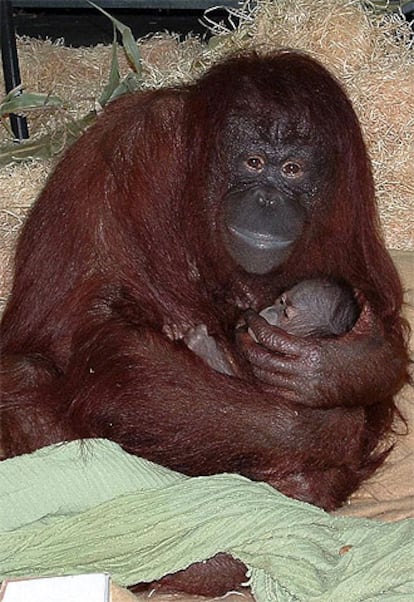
[{"x": 89, "y": 506}]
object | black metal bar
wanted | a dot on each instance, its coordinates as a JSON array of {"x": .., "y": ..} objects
[{"x": 11, "y": 64}]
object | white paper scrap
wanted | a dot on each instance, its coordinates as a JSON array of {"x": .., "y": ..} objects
[{"x": 76, "y": 588}]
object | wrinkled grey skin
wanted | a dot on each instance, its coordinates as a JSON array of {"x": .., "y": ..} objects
[{"x": 314, "y": 308}]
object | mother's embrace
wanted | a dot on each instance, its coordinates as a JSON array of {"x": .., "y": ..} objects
[{"x": 197, "y": 206}]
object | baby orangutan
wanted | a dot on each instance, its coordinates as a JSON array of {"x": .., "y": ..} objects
[{"x": 317, "y": 307}]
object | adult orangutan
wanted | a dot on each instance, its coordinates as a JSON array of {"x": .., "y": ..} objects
[{"x": 198, "y": 206}]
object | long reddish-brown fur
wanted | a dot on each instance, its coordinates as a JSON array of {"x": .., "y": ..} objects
[{"x": 121, "y": 254}]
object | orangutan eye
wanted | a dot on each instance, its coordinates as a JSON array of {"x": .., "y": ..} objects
[
  {"x": 255, "y": 162},
  {"x": 291, "y": 169}
]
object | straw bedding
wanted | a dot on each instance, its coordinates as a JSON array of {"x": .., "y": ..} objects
[{"x": 371, "y": 54}]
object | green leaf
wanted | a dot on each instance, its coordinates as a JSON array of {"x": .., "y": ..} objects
[
  {"x": 17, "y": 102},
  {"x": 128, "y": 85},
  {"x": 128, "y": 41},
  {"x": 114, "y": 75},
  {"x": 46, "y": 146}
]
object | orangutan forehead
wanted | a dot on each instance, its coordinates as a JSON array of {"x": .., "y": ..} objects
[
  {"x": 269, "y": 132},
  {"x": 274, "y": 127}
]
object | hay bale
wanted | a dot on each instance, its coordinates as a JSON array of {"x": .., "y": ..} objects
[{"x": 372, "y": 55}]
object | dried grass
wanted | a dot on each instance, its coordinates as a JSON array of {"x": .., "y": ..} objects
[{"x": 372, "y": 55}]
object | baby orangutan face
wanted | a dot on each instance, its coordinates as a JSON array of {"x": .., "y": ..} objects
[{"x": 314, "y": 308}]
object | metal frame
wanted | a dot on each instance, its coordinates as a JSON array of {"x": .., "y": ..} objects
[{"x": 10, "y": 62}]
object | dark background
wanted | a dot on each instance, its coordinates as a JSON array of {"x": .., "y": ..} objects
[
  {"x": 82, "y": 26},
  {"x": 87, "y": 27}
]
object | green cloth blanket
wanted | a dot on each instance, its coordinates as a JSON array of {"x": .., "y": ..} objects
[{"x": 89, "y": 506}]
